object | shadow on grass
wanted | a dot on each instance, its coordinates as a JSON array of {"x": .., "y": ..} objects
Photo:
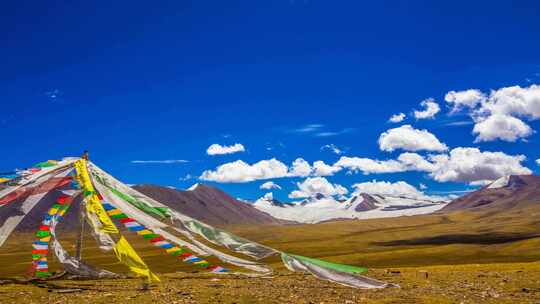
[{"x": 480, "y": 239}]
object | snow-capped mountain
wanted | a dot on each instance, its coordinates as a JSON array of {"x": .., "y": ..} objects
[
  {"x": 269, "y": 198},
  {"x": 359, "y": 206}
]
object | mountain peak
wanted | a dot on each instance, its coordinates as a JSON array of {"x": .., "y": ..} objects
[
  {"x": 269, "y": 199},
  {"x": 499, "y": 183},
  {"x": 208, "y": 204},
  {"x": 504, "y": 193},
  {"x": 193, "y": 187}
]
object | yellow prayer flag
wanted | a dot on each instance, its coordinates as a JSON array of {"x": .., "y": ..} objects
[
  {"x": 127, "y": 256},
  {"x": 93, "y": 204},
  {"x": 82, "y": 175},
  {"x": 174, "y": 249},
  {"x": 144, "y": 232},
  {"x": 53, "y": 211}
]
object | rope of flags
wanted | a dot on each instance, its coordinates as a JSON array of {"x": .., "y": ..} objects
[
  {"x": 6, "y": 177},
  {"x": 40, "y": 265},
  {"x": 158, "y": 240},
  {"x": 102, "y": 213}
]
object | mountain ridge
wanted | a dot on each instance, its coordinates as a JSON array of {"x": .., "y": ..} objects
[
  {"x": 505, "y": 193},
  {"x": 208, "y": 204}
]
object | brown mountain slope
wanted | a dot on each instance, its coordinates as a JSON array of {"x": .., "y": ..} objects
[
  {"x": 518, "y": 191},
  {"x": 208, "y": 204}
]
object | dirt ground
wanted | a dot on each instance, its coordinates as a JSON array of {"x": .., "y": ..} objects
[
  {"x": 457, "y": 258},
  {"x": 485, "y": 283}
]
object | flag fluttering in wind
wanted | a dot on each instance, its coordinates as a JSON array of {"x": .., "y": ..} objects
[{"x": 108, "y": 204}]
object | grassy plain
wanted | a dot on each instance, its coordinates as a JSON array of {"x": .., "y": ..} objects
[{"x": 462, "y": 257}]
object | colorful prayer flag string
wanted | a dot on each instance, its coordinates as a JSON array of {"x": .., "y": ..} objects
[
  {"x": 158, "y": 240},
  {"x": 40, "y": 266}
]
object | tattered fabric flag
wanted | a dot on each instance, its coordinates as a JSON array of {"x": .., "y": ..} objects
[
  {"x": 91, "y": 199},
  {"x": 129, "y": 257},
  {"x": 183, "y": 222},
  {"x": 73, "y": 265},
  {"x": 342, "y": 274},
  {"x": 123, "y": 250},
  {"x": 34, "y": 195},
  {"x": 223, "y": 238},
  {"x": 156, "y": 239},
  {"x": 29, "y": 176},
  {"x": 149, "y": 222},
  {"x": 161, "y": 212}
]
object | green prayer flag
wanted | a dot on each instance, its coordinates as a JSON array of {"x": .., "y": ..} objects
[
  {"x": 42, "y": 234},
  {"x": 158, "y": 211},
  {"x": 44, "y": 165},
  {"x": 119, "y": 216},
  {"x": 150, "y": 236},
  {"x": 334, "y": 266},
  {"x": 42, "y": 274}
]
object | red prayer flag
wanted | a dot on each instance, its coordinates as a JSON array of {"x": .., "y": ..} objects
[
  {"x": 44, "y": 228},
  {"x": 62, "y": 199},
  {"x": 157, "y": 239}
]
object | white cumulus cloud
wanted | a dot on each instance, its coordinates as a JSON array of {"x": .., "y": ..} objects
[
  {"x": 270, "y": 185},
  {"x": 300, "y": 167},
  {"x": 400, "y": 188},
  {"x": 502, "y": 114},
  {"x": 409, "y": 139},
  {"x": 464, "y": 99},
  {"x": 397, "y": 118},
  {"x": 503, "y": 127},
  {"x": 471, "y": 165},
  {"x": 407, "y": 161},
  {"x": 320, "y": 168},
  {"x": 431, "y": 108},
  {"x": 368, "y": 165},
  {"x": 241, "y": 172},
  {"x": 415, "y": 162},
  {"x": 317, "y": 185},
  {"x": 462, "y": 164},
  {"x": 515, "y": 100},
  {"x": 217, "y": 149}
]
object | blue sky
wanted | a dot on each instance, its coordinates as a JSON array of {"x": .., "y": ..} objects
[{"x": 139, "y": 81}]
